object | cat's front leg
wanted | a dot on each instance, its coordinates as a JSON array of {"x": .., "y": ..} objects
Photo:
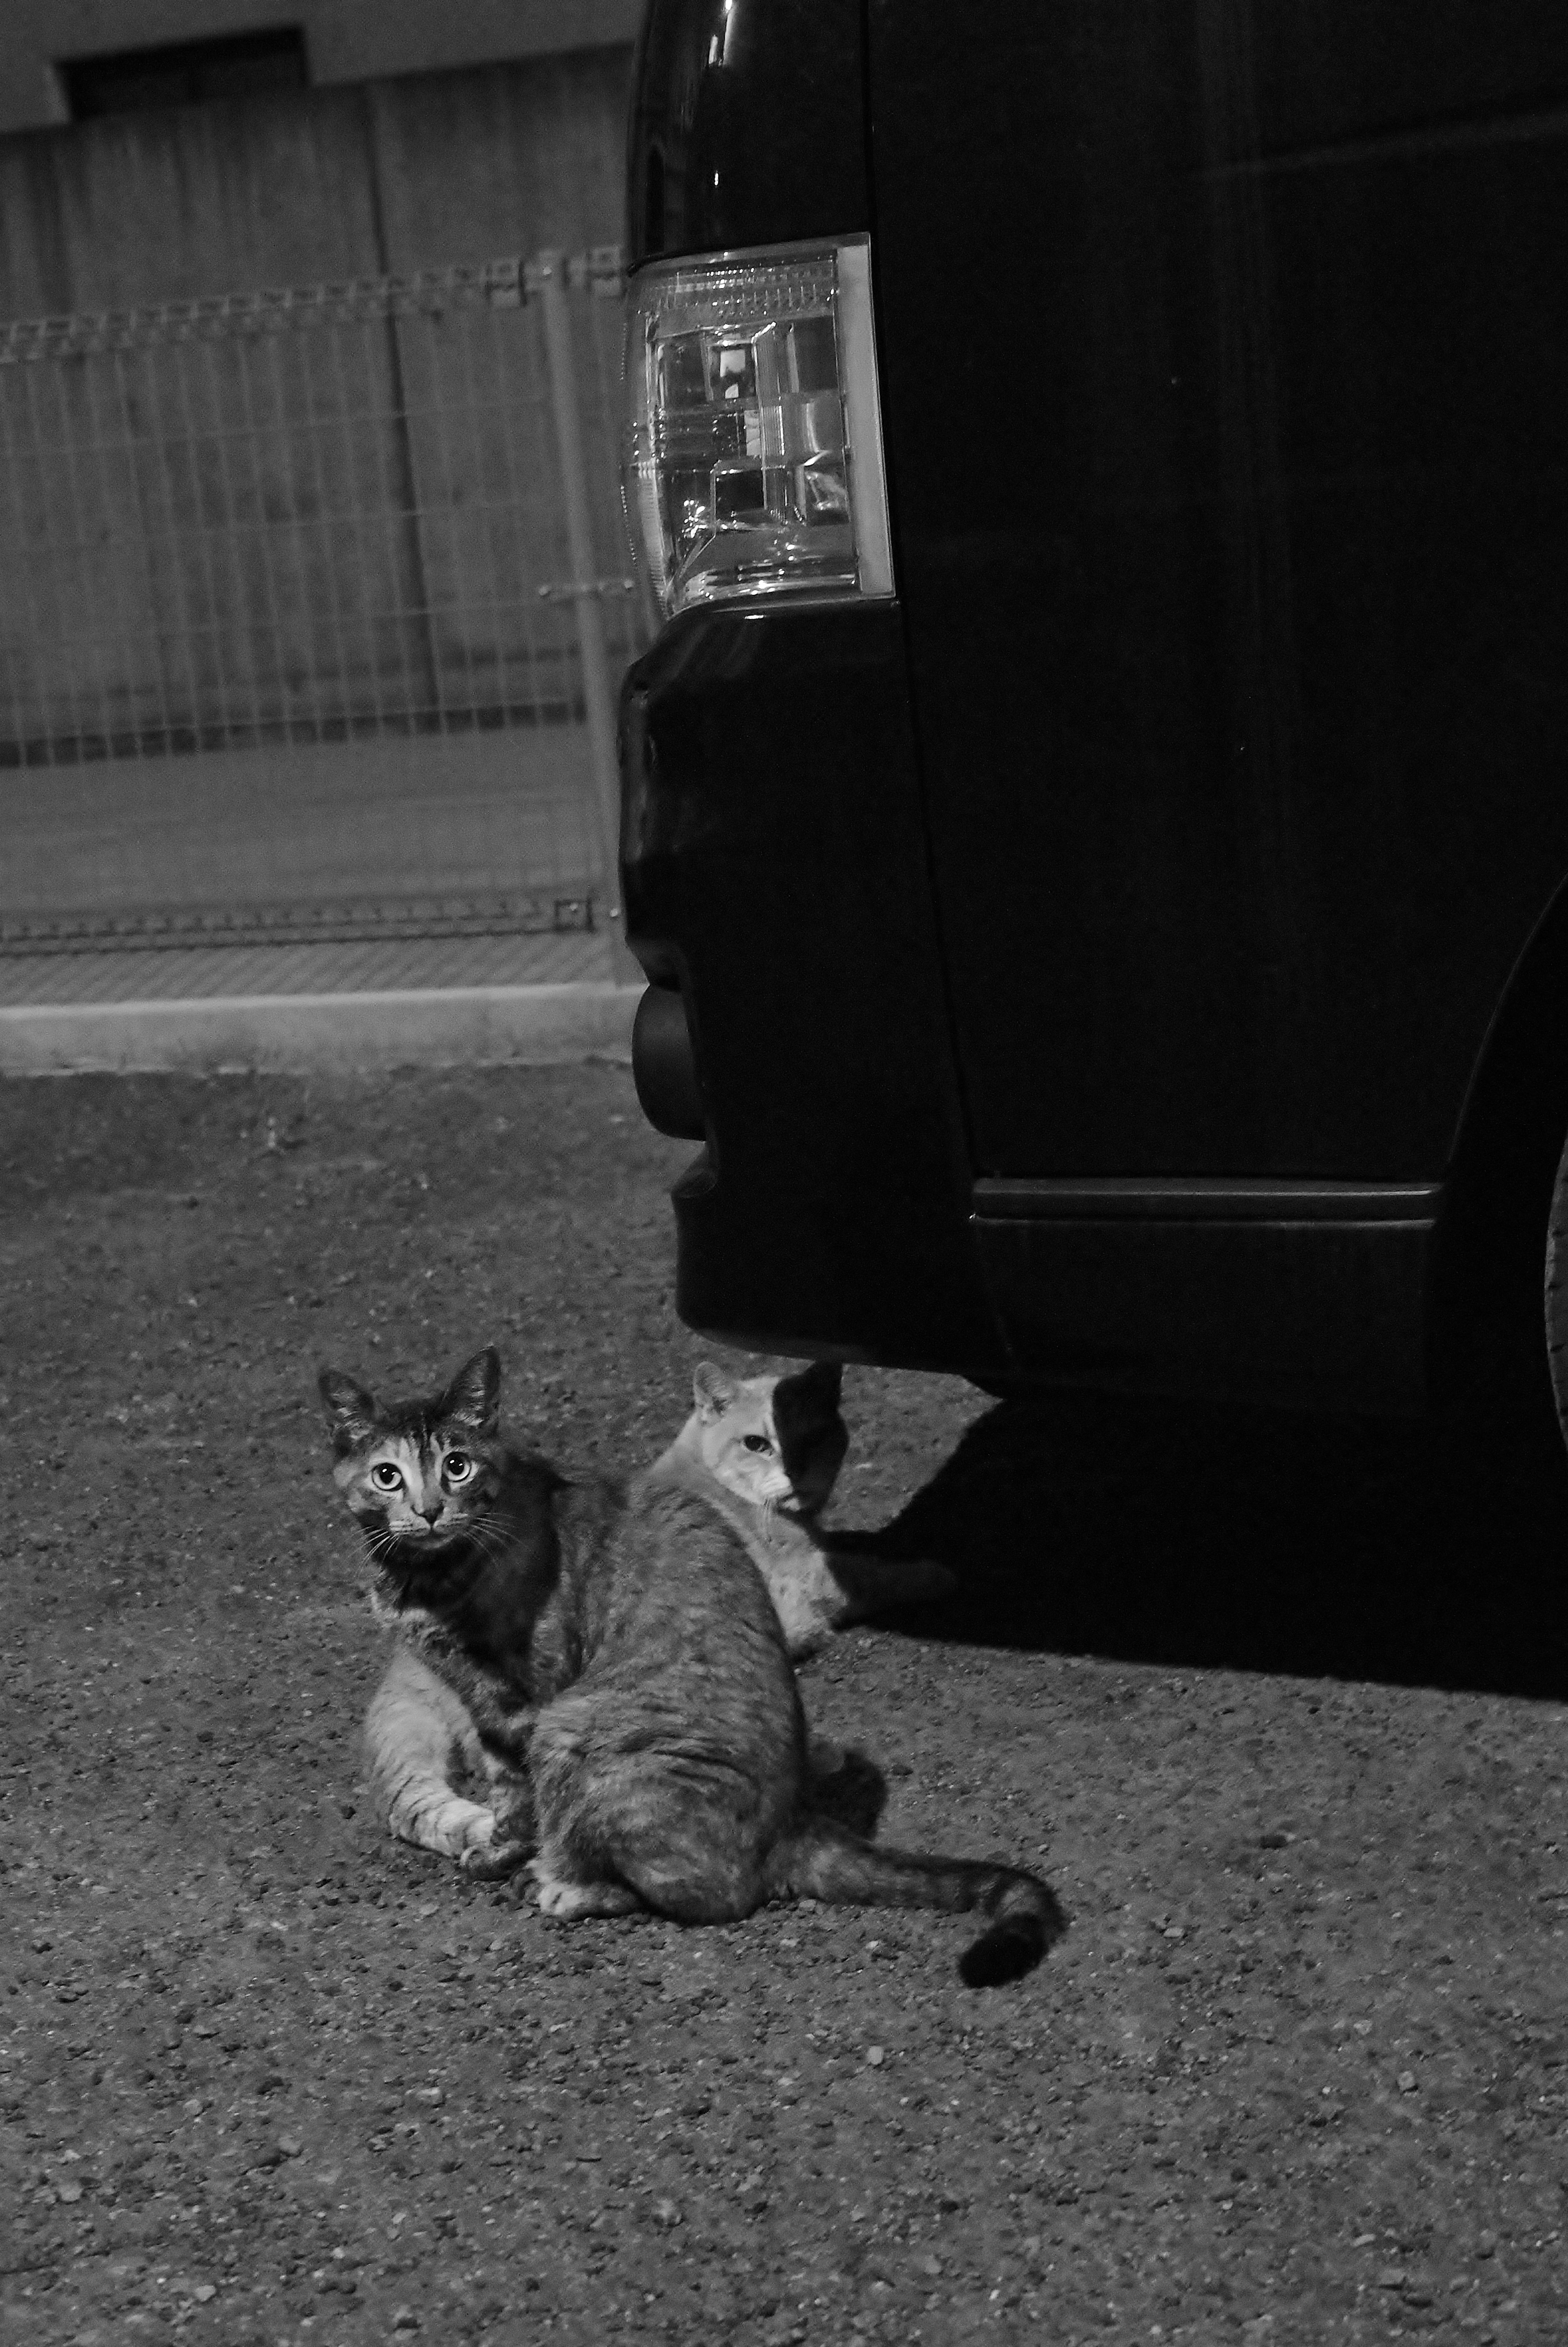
[
  {"x": 819, "y": 1591},
  {"x": 503, "y": 1726},
  {"x": 861, "y": 1585},
  {"x": 418, "y": 1737},
  {"x": 568, "y": 1900},
  {"x": 515, "y": 1836}
]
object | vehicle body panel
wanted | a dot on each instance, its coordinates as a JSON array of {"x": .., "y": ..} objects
[
  {"x": 745, "y": 113},
  {"x": 830, "y": 1210},
  {"x": 1230, "y": 527},
  {"x": 1087, "y": 959}
]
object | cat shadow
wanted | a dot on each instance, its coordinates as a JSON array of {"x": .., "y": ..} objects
[
  {"x": 1175, "y": 1535},
  {"x": 855, "y": 1795}
]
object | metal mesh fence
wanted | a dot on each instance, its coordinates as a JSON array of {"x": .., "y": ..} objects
[{"x": 311, "y": 605}]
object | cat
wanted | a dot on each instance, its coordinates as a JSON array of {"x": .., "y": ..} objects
[
  {"x": 776, "y": 1445},
  {"x": 623, "y": 1664},
  {"x": 770, "y": 1448}
]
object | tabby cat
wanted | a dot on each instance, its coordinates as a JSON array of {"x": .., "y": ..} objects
[
  {"x": 773, "y": 1446},
  {"x": 621, "y": 1659}
]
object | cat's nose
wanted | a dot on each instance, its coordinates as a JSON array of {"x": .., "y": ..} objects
[{"x": 431, "y": 1515}]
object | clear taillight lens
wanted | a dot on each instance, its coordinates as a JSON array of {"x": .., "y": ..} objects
[{"x": 753, "y": 460}]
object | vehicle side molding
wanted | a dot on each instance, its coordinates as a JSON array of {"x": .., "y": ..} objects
[
  {"x": 1319, "y": 1298},
  {"x": 1187, "y": 1198}
]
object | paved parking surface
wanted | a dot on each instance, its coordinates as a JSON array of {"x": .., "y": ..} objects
[{"x": 1279, "y": 1708}]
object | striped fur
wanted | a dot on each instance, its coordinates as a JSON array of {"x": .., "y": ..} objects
[
  {"x": 420, "y": 1740},
  {"x": 669, "y": 1763},
  {"x": 619, "y": 1644}
]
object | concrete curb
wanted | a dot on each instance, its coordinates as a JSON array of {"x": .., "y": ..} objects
[{"x": 322, "y": 1034}]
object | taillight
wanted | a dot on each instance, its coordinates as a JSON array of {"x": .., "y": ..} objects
[{"x": 753, "y": 460}]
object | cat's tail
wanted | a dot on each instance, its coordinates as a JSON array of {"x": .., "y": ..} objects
[{"x": 820, "y": 1859}]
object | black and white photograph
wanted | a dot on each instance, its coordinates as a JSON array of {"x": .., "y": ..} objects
[{"x": 784, "y": 1172}]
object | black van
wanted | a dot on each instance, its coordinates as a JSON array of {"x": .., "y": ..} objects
[{"x": 1095, "y": 816}]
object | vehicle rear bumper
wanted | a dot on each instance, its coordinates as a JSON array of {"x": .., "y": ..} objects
[
  {"x": 1312, "y": 1294},
  {"x": 774, "y": 867},
  {"x": 778, "y": 895}
]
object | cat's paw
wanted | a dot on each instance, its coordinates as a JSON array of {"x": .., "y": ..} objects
[
  {"x": 567, "y": 1902},
  {"x": 472, "y": 1835},
  {"x": 492, "y": 1862},
  {"x": 806, "y": 1633},
  {"x": 867, "y": 1585},
  {"x": 442, "y": 1822}
]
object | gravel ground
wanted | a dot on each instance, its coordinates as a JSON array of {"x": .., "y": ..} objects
[{"x": 1278, "y": 1707}]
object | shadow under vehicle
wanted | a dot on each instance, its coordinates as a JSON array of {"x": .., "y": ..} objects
[{"x": 1095, "y": 816}]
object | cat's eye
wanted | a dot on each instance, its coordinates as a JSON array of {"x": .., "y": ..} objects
[
  {"x": 385, "y": 1476},
  {"x": 758, "y": 1442},
  {"x": 458, "y": 1466}
]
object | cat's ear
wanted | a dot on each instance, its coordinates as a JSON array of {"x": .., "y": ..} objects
[
  {"x": 711, "y": 1390},
  {"x": 351, "y": 1411},
  {"x": 473, "y": 1396}
]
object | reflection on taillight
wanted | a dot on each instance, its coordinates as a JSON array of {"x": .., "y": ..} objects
[{"x": 753, "y": 461}]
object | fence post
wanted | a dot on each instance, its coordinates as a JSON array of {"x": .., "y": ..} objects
[{"x": 598, "y": 699}]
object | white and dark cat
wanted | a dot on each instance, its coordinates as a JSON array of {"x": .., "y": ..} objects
[
  {"x": 625, "y": 1669},
  {"x": 773, "y": 1447}
]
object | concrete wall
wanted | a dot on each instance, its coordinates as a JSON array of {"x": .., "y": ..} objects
[
  {"x": 347, "y": 40},
  {"x": 299, "y": 188}
]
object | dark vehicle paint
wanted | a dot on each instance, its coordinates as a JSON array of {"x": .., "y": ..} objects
[
  {"x": 1238, "y": 615},
  {"x": 1228, "y": 475},
  {"x": 746, "y": 112},
  {"x": 830, "y": 1210}
]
